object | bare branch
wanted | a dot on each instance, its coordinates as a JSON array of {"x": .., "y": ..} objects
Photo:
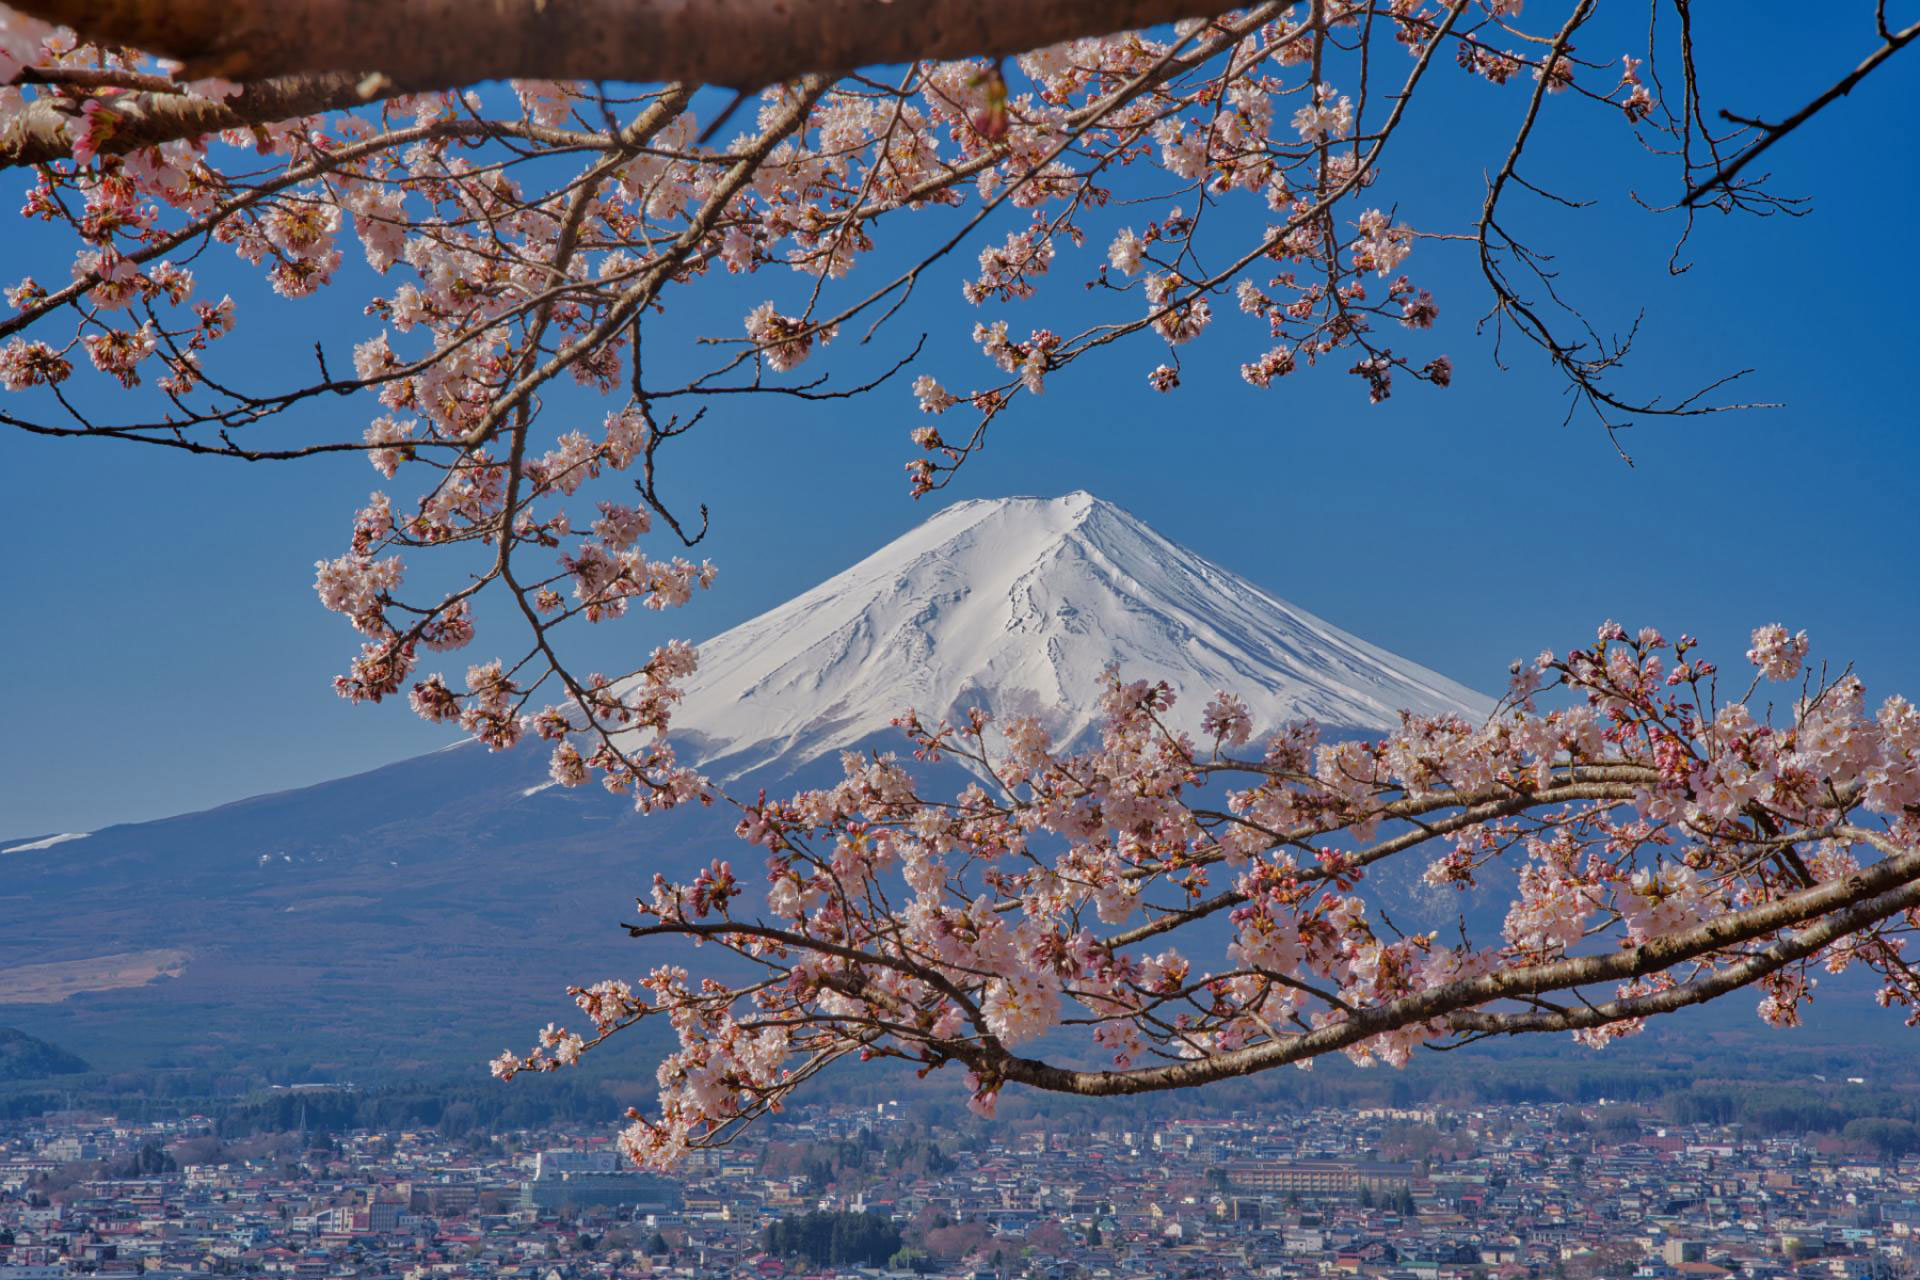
[{"x": 1724, "y": 173}]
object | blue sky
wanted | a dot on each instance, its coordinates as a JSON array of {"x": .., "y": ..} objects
[{"x": 166, "y": 651}]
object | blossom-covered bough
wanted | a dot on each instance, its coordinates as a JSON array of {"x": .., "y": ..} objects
[
  {"x": 1218, "y": 175},
  {"x": 1190, "y": 912}
]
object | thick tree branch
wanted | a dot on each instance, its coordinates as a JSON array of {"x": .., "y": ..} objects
[
  {"x": 1789, "y": 950},
  {"x": 1894, "y": 876},
  {"x": 43, "y": 132},
  {"x": 744, "y": 44}
]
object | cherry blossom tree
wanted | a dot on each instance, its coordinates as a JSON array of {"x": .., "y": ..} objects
[
  {"x": 527, "y": 237},
  {"x": 1661, "y": 846}
]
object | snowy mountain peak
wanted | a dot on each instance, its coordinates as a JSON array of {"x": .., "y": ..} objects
[{"x": 1017, "y": 604}]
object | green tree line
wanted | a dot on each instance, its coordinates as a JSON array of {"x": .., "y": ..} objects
[{"x": 834, "y": 1239}]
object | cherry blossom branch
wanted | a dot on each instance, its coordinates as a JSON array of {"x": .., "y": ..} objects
[
  {"x": 1890, "y": 882},
  {"x": 637, "y": 295},
  {"x": 321, "y": 163},
  {"x": 45, "y": 132},
  {"x": 1734, "y": 977},
  {"x": 1646, "y": 839}
]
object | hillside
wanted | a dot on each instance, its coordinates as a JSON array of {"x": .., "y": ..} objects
[{"x": 25, "y": 1057}]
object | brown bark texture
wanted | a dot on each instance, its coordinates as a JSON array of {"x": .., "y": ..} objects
[
  {"x": 741, "y": 44},
  {"x": 44, "y": 132}
]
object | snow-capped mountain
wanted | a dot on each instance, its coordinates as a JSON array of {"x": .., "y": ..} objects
[
  {"x": 1018, "y": 604},
  {"x": 341, "y": 920}
]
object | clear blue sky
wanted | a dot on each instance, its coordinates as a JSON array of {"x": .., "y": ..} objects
[{"x": 165, "y": 650}]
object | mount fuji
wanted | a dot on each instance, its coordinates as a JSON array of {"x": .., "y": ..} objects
[
  {"x": 307, "y": 930},
  {"x": 1018, "y": 604}
]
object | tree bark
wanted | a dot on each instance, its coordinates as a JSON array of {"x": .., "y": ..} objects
[
  {"x": 742, "y": 44},
  {"x": 44, "y": 133}
]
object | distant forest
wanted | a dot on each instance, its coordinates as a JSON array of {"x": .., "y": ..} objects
[{"x": 1780, "y": 1093}]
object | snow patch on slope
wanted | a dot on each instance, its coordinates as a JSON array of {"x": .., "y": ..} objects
[
  {"x": 1017, "y": 604},
  {"x": 46, "y": 842}
]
